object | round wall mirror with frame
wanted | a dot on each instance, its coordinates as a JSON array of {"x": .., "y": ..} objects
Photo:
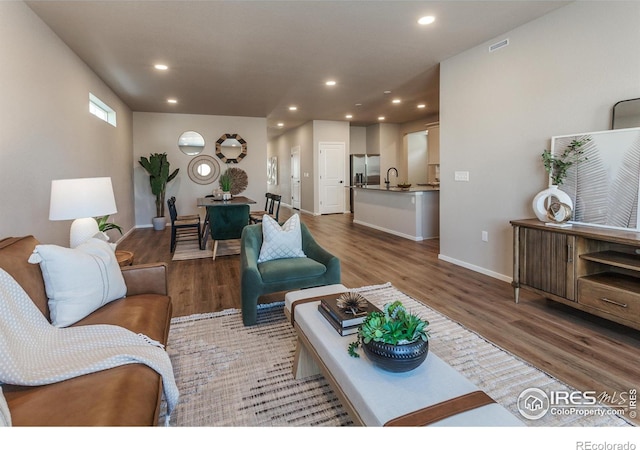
[
  {"x": 191, "y": 143},
  {"x": 203, "y": 169},
  {"x": 231, "y": 148}
]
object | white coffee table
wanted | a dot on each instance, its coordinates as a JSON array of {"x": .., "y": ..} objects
[{"x": 374, "y": 397}]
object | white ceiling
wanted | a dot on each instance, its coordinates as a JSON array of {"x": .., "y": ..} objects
[{"x": 256, "y": 58}]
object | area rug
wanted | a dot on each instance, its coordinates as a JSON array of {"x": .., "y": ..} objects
[
  {"x": 232, "y": 375},
  {"x": 190, "y": 249}
]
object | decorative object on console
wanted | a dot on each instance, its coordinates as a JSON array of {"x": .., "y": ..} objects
[
  {"x": 81, "y": 199},
  {"x": 191, "y": 143},
  {"x": 157, "y": 166},
  {"x": 546, "y": 198},
  {"x": 203, "y": 169},
  {"x": 394, "y": 339},
  {"x": 558, "y": 212},
  {"x": 231, "y": 148},
  {"x": 557, "y": 165}
]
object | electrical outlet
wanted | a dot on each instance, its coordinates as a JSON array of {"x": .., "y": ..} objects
[
  {"x": 461, "y": 176},
  {"x": 485, "y": 236}
]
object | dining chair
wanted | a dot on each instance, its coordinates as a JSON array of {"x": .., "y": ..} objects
[
  {"x": 227, "y": 222},
  {"x": 183, "y": 227},
  {"x": 272, "y": 202}
]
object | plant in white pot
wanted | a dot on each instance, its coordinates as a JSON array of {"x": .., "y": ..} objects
[
  {"x": 549, "y": 201},
  {"x": 225, "y": 184},
  {"x": 157, "y": 166}
]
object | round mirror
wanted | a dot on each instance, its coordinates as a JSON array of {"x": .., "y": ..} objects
[
  {"x": 231, "y": 148},
  {"x": 191, "y": 143},
  {"x": 203, "y": 169}
]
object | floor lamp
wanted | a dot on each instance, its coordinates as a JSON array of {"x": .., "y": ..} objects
[{"x": 81, "y": 200}]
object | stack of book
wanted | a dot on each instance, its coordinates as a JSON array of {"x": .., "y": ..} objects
[{"x": 344, "y": 322}]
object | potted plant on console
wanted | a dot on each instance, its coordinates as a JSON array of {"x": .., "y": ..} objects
[
  {"x": 157, "y": 166},
  {"x": 394, "y": 339},
  {"x": 546, "y": 203}
]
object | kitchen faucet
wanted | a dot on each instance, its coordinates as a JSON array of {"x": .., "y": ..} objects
[{"x": 386, "y": 181}]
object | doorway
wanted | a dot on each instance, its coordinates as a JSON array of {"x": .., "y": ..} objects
[
  {"x": 295, "y": 177},
  {"x": 331, "y": 159}
]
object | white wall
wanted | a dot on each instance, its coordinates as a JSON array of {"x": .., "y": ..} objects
[
  {"x": 159, "y": 133},
  {"x": 46, "y": 131},
  {"x": 357, "y": 140},
  {"x": 329, "y": 131},
  {"x": 560, "y": 74},
  {"x": 417, "y": 161},
  {"x": 281, "y": 147}
]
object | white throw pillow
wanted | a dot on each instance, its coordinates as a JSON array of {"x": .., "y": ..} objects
[
  {"x": 281, "y": 242},
  {"x": 80, "y": 280}
]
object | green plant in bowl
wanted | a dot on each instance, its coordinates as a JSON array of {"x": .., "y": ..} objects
[{"x": 394, "y": 326}]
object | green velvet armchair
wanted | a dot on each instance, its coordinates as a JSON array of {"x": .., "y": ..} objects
[{"x": 319, "y": 268}]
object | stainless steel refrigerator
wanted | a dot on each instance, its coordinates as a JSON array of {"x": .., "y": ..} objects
[{"x": 365, "y": 170}]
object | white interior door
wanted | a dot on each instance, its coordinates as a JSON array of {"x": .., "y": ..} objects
[
  {"x": 295, "y": 177},
  {"x": 332, "y": 176}
]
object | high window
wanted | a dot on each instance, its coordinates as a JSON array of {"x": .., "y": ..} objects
[{"x": 101, "y": 110}]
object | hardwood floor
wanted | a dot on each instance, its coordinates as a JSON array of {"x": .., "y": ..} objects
[{"x": 584, "y": 351}]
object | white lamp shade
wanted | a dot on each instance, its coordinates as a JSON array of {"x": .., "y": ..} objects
[{"x": 81, "y": 197}]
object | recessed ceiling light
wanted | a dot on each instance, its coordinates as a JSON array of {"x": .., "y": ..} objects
[
  {"x": 422, "y": 105},
  {"x": 280, "y": 124},
  {"x": 161, "y": 66},
  {"x": 293, "y": 108},
  {"x": 331, "y": 83},
  {"x": 358, "y": 104},
  {"x": 381, "y": 118},
  {"x": 348, "y": 116},
  {"x": 426, "y": 20},
  {"x": 396, "y": 100},
  {"x": 172, "y": 100},
  {"x": 387, "y": 92}
]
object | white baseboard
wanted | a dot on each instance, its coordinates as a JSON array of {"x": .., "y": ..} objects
[
  {"x": 475, "y": 268},
  {"x": 386, "y": 230}
]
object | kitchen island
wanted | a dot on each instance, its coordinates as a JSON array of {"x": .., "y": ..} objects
[{"x": 412, "y": 213}]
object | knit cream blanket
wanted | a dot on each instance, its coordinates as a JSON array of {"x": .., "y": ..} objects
[{"x": 33, "y": 352}]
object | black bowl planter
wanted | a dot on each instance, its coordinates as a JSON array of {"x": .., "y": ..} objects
[{"x": 397, "y": 358}]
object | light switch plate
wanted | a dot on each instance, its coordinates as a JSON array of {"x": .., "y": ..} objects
[{"x": 461, "y": 176}]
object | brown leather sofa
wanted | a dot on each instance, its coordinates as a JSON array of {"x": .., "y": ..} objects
[{"x": 127, "y": 395}]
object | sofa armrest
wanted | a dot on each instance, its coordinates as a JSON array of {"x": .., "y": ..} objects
[{"x": 146, "y": 279}]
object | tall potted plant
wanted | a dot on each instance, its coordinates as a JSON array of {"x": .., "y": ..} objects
[
  {"x": 225, "y": 184},
  {"x": 157, "y": 166}
]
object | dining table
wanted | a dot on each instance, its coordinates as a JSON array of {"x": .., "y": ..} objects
[{"x": 212, "y": 202}]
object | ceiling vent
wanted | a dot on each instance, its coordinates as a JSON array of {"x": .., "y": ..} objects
[{"x": 498, "y": 45}]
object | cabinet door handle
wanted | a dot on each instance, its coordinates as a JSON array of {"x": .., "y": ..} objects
[
  {"x": 613, "y": 302},
  {"x": 569, "y": 253}
]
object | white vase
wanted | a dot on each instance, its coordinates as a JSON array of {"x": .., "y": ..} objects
[
  {"x": 159, "y": 223},
  {"x": 542, "y": 200}
]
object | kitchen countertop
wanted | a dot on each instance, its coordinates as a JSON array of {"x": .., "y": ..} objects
[{"x": 413, "y": 188}]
